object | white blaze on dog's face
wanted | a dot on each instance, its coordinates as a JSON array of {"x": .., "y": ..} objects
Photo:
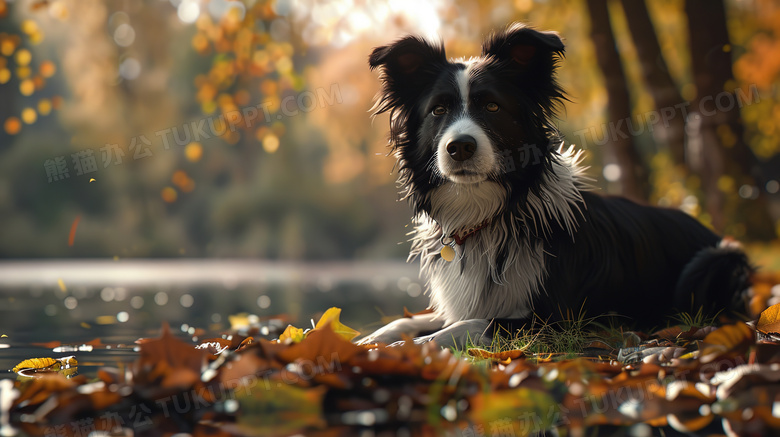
[{"x": 464, "y": 152}]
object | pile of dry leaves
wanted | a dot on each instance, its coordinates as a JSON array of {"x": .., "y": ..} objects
[{"x": 317, "y": 382}]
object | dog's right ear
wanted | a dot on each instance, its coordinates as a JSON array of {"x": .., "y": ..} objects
[{"x": 408, "y": 67}]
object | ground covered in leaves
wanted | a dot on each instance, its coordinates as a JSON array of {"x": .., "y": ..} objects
[{"x": 703, "y": 380}]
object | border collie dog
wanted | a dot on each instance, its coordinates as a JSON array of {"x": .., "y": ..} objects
[{"x": 506, "y": 227}]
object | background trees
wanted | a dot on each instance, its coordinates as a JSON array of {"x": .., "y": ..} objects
[{"x": 304, "y": 174}]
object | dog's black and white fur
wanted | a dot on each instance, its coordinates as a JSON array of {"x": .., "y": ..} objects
[{"x": 486, "y": 172}]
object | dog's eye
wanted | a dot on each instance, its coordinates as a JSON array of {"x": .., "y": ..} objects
[
  {"x": 492, "y": 107},
  {"x": 439, "y": 110}
]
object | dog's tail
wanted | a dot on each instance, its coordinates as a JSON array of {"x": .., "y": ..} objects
[{"x": 716, "y": 280}]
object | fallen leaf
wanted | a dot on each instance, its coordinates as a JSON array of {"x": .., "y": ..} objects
[
  {"x": 72, "y": 235},
  {"x": 498, "y": 356},
  {"x": 214, "y": 346},
  {"x": 175, "y": 354},
  {"x": 727, "y": 340},
  {"x": 41, "y": 389},
  {"x": 293, "y": 334},
  {"x": 769, "y": 322},
  {"x": 331, "y": 317},
  {"x": 408, "y": 314},
  {"x": 49, "y": 345},
  {"x": 678, "y": 332},
  {"x": 245, "y": 342},
  {"x": 35, "y": 368},
  {"x": 321, "y": 347}
]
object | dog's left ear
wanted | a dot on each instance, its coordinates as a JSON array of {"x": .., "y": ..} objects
[{"x": 530, "y": 50}]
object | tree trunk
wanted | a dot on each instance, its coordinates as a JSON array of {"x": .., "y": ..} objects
[
  {"x": 670, "y": 128},
  {"x": 633, "y": 177},
  {"x": 715, "y": 129}
]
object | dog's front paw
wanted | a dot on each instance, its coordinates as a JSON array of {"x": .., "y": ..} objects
[
  {"x": 460, "y": 334},
  {"x": 398, "y": 329},
  {"x": 377, "y": 337}
]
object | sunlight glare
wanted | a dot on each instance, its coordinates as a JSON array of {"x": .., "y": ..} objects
[{"x": 188, "y": 11}]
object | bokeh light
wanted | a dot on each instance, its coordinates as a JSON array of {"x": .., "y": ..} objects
[
  {"x": 47, "y": 69},
  {"x": 29, "y": 115},
  {"x": 27, "y": 87},
  {"x": 12, "y": 125},
  {"x": 188, "y": 11},
  {"x": 23, "y": 57},
  {"x": 193, "y": 152},
  {"x": 124, "y": 35},
  {"x": 130, "y": 69},
  {"x": 271, "y": 143},
  {"x": 168, "y": 194},
  {"x": 44, "y": 106}
]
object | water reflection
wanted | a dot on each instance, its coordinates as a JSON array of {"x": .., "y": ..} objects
[{"x": 75, "y": 302}]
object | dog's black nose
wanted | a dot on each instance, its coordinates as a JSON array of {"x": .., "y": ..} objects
[{"x": 462, "y": 147}]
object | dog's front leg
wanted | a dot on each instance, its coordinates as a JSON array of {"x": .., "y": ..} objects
[
  {"x": 472, "y": 331},
  {"x": 410, "y": 326}
]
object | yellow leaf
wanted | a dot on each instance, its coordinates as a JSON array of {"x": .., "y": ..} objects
[
  {"x": 46, "y": 364},
  {"x": 293, "y": 333},
  {"x": 769, "y": 321},
  {"x": 331, "y": 317},
  {"x": 239, "y": 321}
]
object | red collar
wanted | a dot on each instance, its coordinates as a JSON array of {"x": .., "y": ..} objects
[{"x": 461, "y": 236}]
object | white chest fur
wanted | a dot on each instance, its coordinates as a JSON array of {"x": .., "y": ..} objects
[{"x": 473, "y": 286}]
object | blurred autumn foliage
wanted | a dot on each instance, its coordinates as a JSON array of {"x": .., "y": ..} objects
[{"x": 231, "y": 128}]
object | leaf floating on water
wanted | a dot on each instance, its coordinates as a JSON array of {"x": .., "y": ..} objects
[
  {"x": 35, "y": 363},
  {"x": 46, "y": 364}
]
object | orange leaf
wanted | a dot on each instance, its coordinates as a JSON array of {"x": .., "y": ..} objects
[
  {"x": 730, "y": 339},
  {"x": 498, "y": 356},
  {"x": 171, "y": 351},
  {"x": 409, "y": 314},
  {"x": 769, "y": 322},
  {"x": 72, "y": 235},
  {"x": 321, "y": 346}
]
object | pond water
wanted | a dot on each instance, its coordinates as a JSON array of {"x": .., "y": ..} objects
[{"x": 74, "y": 302}]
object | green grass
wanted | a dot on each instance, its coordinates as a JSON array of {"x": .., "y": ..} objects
[
  {"x": 698, "y": 319},
  {"x": 570, "y": 338},
  {"x": 560, "y": 340}
]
